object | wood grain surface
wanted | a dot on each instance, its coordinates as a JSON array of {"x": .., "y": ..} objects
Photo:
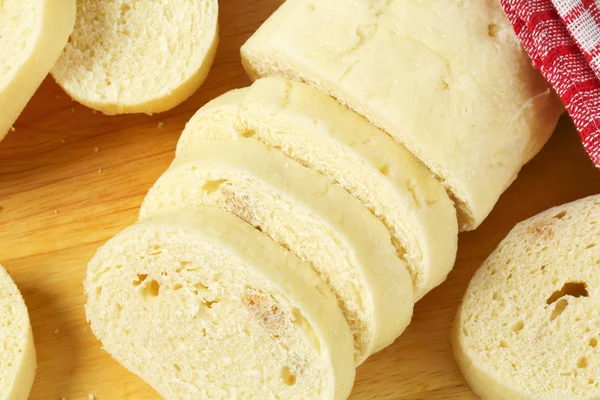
[{"x": 71, "y": 178}]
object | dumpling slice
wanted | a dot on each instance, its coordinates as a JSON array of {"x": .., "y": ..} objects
[
  {"x": 201, "y": 305},
  {"x": 304, "y": 212}
]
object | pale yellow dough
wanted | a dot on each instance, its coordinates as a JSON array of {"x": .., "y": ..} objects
[
  {"x": 447, "y": 78},
  {"x": 528, "y": 327},
  {"x": 32, "y": 35},
  {"x": 202, "y": 306},
  {"x": 307, "y": 214},
  {"x": 309, "y": 126},
  {"x": 138, "y": 56},
  {"x": 17, "y": 350}
]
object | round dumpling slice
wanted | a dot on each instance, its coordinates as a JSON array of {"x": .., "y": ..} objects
[
  {"x": 142, "y": 56},
  {"x": 529, "y": 324},
  {"x": 200, "y": 305}
]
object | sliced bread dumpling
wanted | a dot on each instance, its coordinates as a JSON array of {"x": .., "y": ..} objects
[
  {"x": 529, "y": 324},
  {"x": 309, "y": 126},
  {"x": 17, "y": 350},
  {"x": 142, "y": 56},
  {"x": 448, "y": 79},
  {"x": 201, "y": 305},
  {"x": 33, "y": 33},
  {"x": 304, "y": 212}
]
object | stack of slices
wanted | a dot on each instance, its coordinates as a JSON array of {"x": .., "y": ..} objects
[
  {"x": 291, "y": 236},
  {"x": 288, "y": 241}
]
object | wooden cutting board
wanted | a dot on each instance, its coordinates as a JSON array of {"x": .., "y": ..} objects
[{"x": 70, "y": 178}]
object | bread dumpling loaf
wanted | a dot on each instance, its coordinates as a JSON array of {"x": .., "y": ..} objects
[
  {"x": 33, "y": 33},
  {"x": 201, "y": 305},
  {"x": 17, "y": 350},
  {"x": 146, "y": 56},
  {"x": 309, "y": 126},
  {"x": 528, "y": 327},
  {"x": 448, "y": 79},
  {"x": 307, "y": 214}
]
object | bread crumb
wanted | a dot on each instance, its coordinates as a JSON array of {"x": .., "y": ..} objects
[
  {"x": 55, "y": 211},
  {"x": 96, "y": 149},
  {"x": 56, "y": 331},
  {"x": 266, "y": 310},
  {"x": 92, "y": 396},
  {"x": 100, "y": 170},
  {"x": 62, "y": 140},
  {"x": 542, "y": 230},
  {"x": 160, "y": 124},
  {"x": 12, "y": 128}
]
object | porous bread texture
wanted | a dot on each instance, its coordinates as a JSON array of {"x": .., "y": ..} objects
[
  {"x": 312, "y": 128},
  {"x": 32, "y": 36},
  {"x": 448, "y": 79},
  {"x": 528, "y": 324},
  {"x": 17, "y": 351},
  {"x": 201, "y": 305},
  {"x": 304, "y": 212},
  {"x": 138, "y": 56}
]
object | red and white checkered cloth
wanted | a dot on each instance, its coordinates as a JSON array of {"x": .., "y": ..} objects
[{"x": 562, "y": 38}]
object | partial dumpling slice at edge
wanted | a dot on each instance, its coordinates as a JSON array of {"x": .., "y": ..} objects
[
  {"x": 309, "y": 126},
  {"x": 138, "y": 56},
  {"x": 17, "y": 349},
  {"x": 304, "y": 212},
  {"x": 201, "y": 305},
  {"x": 33, "y": 33}
]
